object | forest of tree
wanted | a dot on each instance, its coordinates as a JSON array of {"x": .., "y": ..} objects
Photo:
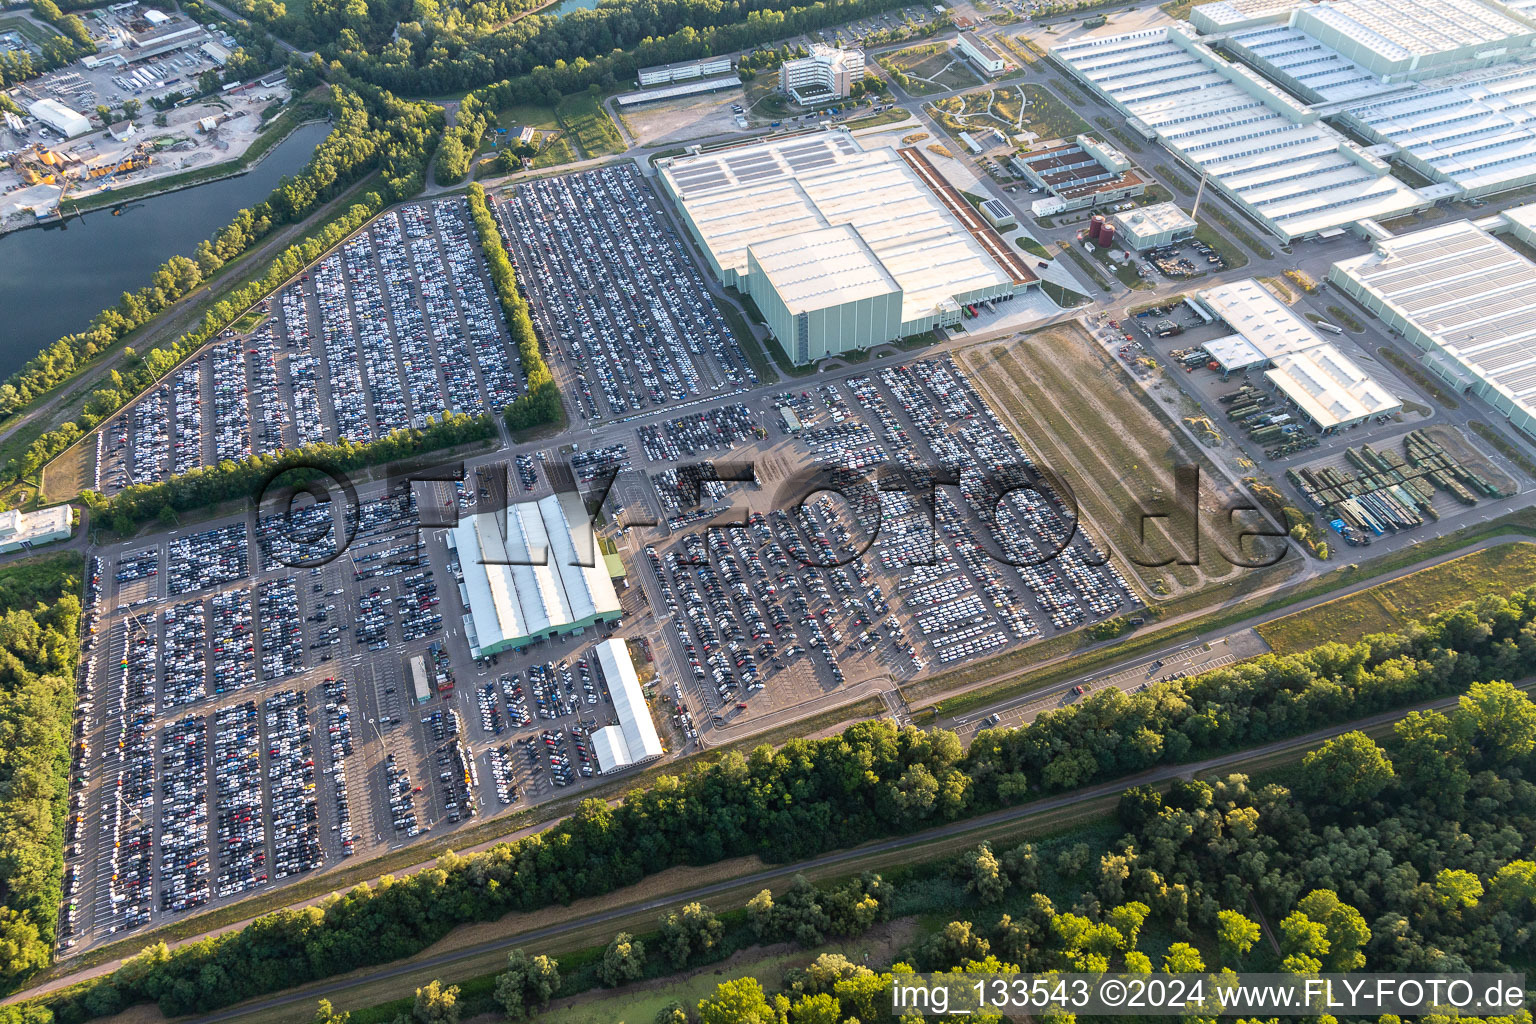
[
  {"x": 813, "y": 795},
  {"x": 432, "y": 48},
  {"x": 39, "y": 649},
  {"x": 1393, "y": 871}
]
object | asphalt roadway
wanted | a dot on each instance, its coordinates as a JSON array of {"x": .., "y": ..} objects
[{"x": 429, "y": 967}]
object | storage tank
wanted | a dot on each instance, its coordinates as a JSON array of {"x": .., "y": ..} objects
[
  {"x": 1106, "y": 236},
  {"x": 1095, "y": 225}
]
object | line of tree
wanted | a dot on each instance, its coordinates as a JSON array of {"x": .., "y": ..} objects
[
  {"x": 39, "y": 649},
  {"x": 540, "y": 401},
  {"x": 813, "y": 795},
  {"x": 209, "y": 486}
]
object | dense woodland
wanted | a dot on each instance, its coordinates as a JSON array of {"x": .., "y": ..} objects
[
  {"x": 1388, "y": 872},
  {"x": 1420, "y": 862},
  {"x": 374, "y": 132},
  {"x": 429, "y": 48},
  {"x": 39, "y": 649},
  {"x": 810, "y": 796}
]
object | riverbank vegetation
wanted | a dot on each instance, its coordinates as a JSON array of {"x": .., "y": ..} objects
[{"x": 374, "y": 132}]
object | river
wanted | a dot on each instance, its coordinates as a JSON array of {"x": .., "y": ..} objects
[{"x": 54, "y": 279}]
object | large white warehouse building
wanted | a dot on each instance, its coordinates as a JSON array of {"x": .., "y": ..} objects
[
  {"x": 1269, "y": 153},
  {"x": 525, "y": 577},
  {"x": 633, "y": 739},
  {"x": 840, "y": 248},
  {"x": 1445, "y": 87},
  {"x": 1466, "y": 299}
]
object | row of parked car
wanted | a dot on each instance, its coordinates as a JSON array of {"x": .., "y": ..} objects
[
  {"x": 291, "y": 784},
  {"x": 242, "y": 829},
  {"x": 282, "y": 628},
  {"x": 184, "y": 854},
  {"x": 338, "y": 730},
  {"x": 209, "y": 558},
  {"x": 719, "y": 428},
  {"x": 612, "y": 288}
]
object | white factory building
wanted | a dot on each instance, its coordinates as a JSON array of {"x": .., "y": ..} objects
[
  {"x": 827, "y": 74},
  {"x": 1153, "y": 226},
  {"x": 1325, "y": 386},
  {"x": 531, "y": 572},
  {"x": 633, "y": 739},
  {"x": 29, "y": 529},
  {"x": 1269, "y": 153},
  {"x": 981, "y": 54},
  {"x": 1466, "y": 299},
  {"x": 841, "y": 248},
  {"x": 1446, "y": 88},
  {"x": 60, "y": 118},
  {"x": 682, "y": 71}
]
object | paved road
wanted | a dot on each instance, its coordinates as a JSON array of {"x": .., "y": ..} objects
[{"x": 432, "y": 966}]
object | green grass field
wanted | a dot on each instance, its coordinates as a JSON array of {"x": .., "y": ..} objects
[
  {"x": 556, "y": 151},
  {"x": 588, "y": 123},
  {"x": 1387, "y": 606},
  {"x": 927, "y": 68}
]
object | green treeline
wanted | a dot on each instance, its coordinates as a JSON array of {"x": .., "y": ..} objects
[
  {"x": 59, "y": 50},
  {"x": 540, "y": 403},
  {"x": 1363, "y": 860},
  {"x": 209, "y": 486},
  {"x": 359, "y": 144},
  {"x": 811, "y": 796},
  {"x": 438, "y": 48},
  {"x": 39, "y": 648}
]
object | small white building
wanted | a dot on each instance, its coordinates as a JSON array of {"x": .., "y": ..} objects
[
  {"x": 60, "y": 118},
  {"x": 633, "y": 740},
  {"x": 122, "y": 131},
  {"x": 981, "y": 54},
  {"x": 998, "y": 214},
  {"x": 28, "y": 529},
  {"x": 1153, "y": 226}
]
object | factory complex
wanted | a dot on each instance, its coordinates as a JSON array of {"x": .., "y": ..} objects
[
  {"x": 529, "y": 574},
  {"x": 840, "y": 247},
  {"x": 1324, "y": 385},
  {"x": 1302, "y": 130},
  {"x": 1464, "y": 297}
]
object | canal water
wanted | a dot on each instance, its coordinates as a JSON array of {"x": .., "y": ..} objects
[{"x": 54, "y": 279}]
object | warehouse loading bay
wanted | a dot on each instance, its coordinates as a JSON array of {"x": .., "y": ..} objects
[{"x": 1417, "y": 470}]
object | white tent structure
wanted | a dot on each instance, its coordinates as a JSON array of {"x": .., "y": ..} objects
[{"x": 633, "y": 741}]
